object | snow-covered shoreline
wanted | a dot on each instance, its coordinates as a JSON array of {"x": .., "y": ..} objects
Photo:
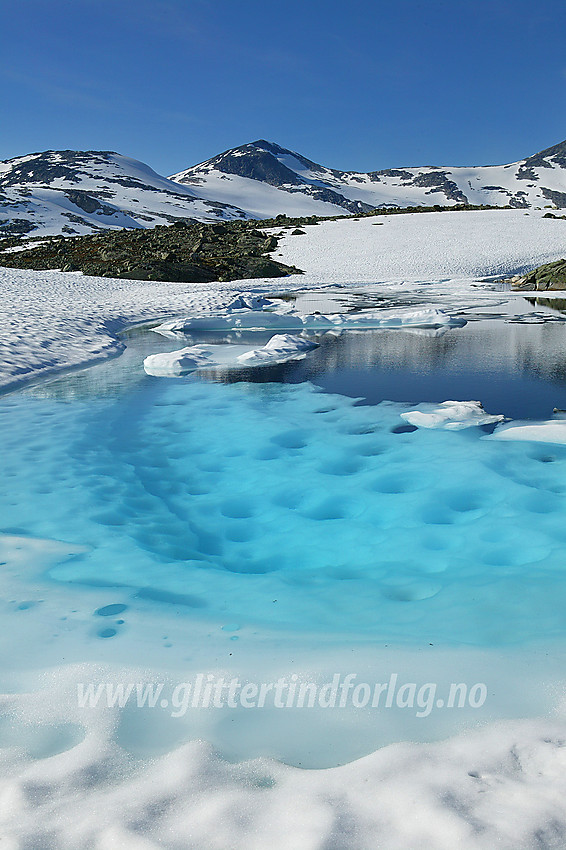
[{"x": 55, "y": 320}]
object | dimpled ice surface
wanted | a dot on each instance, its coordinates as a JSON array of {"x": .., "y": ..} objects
[{"x": 282, "y": 505}]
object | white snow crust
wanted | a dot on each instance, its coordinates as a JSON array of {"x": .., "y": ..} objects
[{"x": 424, "y": 247}]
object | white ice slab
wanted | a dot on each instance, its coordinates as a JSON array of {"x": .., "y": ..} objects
[{"x": 280, "y": 349}]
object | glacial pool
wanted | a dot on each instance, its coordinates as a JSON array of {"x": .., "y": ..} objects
[
  {"x": 295, "y": 497},
  {"x": 287, "y": 521}
]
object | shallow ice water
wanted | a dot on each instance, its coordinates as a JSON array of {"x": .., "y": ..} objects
[{"x": 279, "y": 505}]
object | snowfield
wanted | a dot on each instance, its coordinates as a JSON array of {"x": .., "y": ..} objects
[
  {"x": 425, "y": 246},
  {"x": 78, "y": 786}
]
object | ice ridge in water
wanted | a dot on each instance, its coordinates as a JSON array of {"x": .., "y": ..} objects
[{"x": 291, "y": 320}]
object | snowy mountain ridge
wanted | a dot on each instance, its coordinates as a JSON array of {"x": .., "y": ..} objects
[
  {"x": 236, "y": 176},
  {"x": 77, "y": 192}
]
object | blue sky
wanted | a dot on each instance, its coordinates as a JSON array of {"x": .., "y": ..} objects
[{"x": 353, "y": 84}]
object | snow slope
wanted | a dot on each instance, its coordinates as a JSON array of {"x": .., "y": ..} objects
[
  {"x": 424, "y": 246},
  {"x": 265, "y": 179}
]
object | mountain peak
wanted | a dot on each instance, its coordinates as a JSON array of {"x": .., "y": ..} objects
[{"x": 556, "y": 153}]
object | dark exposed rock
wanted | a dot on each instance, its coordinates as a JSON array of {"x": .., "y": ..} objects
[
  {"x": 525, "y": 172},
  {"x": 557, "y": 153},
  {"x": 17, "y": 225},
  {"x": 518, "y": 202},
  {"x": 332, "y": 197},
  {"x": 439, "y": 182},
  {"x": 182, "y": 252},
  {"x": 557, "y": 198},
  {"x": 392, "y": 172},
  {"x": 87, "y": 203},
  {"x": 256, "y": 164}
]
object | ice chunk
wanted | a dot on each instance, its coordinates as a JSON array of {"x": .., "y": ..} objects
[
  {"x": 280, "y": 349},
  {"x": 451, "y": 415},
  {"x": 549, "y": 431},
  {"x": 177, "y": 363}
]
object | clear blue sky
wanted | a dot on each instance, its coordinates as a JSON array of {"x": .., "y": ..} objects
[{"x": 353, "y": 84}]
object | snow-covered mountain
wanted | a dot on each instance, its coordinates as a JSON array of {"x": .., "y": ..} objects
[
  {"x": 265, "y": 179},
  {"x": 76, "y": 192}
]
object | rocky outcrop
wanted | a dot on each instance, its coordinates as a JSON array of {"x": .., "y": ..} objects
[
  {"x": 182, "y": 252},
  {"x": 550, "y": 276}
]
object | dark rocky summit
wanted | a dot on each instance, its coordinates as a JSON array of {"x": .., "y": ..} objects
[{"x": 182, "y": 252}]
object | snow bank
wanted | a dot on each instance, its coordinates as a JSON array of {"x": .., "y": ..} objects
[
  {"x": 451, "y": 415},
  {"x": 281, "y": 348},
  {"x": 502, "y": 786}
]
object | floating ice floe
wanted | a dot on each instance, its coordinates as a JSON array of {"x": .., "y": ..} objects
[
  {"x": 451, "y": 415},
  {"x": 281, "y": 348},
  {"x": 290, "y": 320},
  {"x": 549, "y": 431}
]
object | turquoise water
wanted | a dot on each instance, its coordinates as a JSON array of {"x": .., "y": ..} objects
[{"x": 281, "y": 504}]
